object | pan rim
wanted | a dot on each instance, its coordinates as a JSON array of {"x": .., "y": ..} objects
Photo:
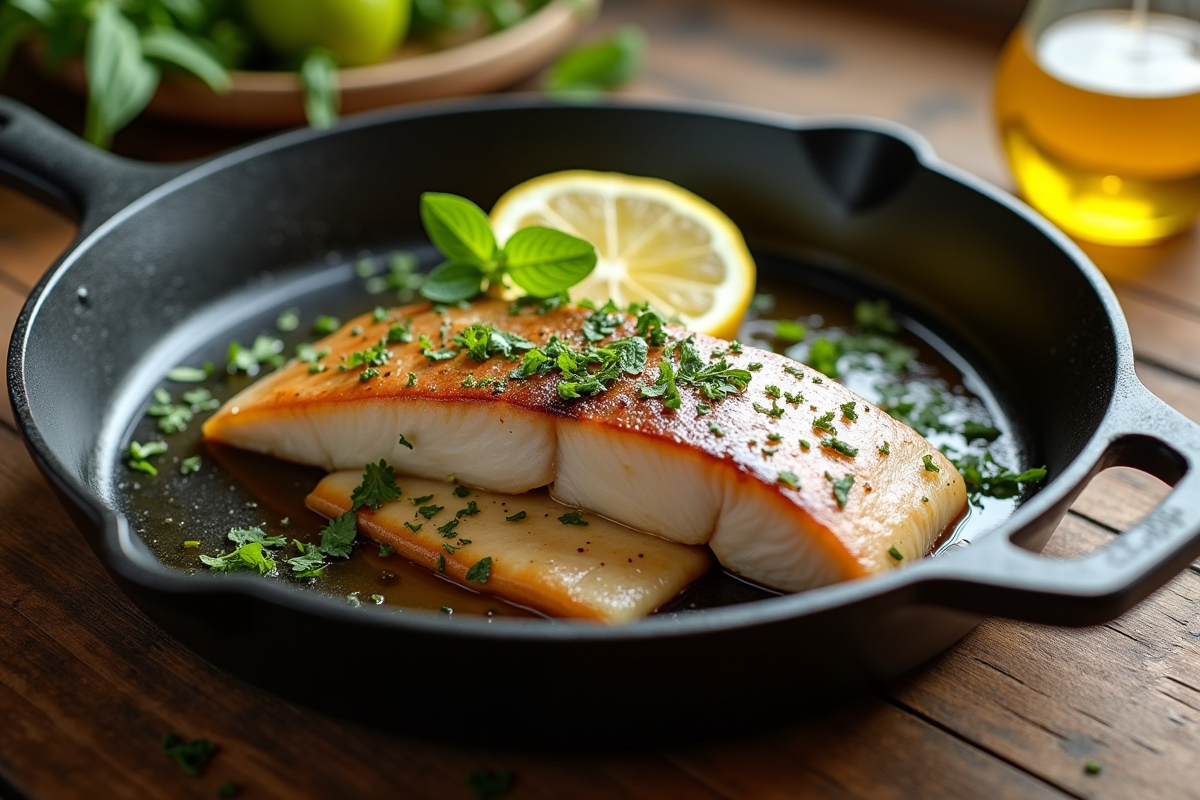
[{"x": 122, "y": 559}]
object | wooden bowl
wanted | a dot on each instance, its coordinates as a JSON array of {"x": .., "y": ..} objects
[{"x": 270, "y": 100}]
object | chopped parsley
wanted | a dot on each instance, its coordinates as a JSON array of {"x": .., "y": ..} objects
[
  {"x": 573, "y": 518},
  {"x": 288, "y": 321},
  {"x": 825, "y": 423},
  {"x": 432, "y": 353},
  {"x": 416, "y": 501},
  {"x": 378, "y": 487},
  {"x": 488, "y": 784},
  {"x": 460, "y": 491},
  {"x": 774, "y": 437},
  {"x": 266, "y": 351},
  {"x": 517, "y": 517},
  {"x": 841, "y": 488},
  {"x": 367, "y": 374},
  {"x": 664, "y": 387},
  {"x": 481, "y": 570},
  {"x": 602, "y": 322},
  {"x": 470, "y": 511},
  {"x": 775, "y": 411},
  {"x": 309, "y": 564},
  {"x": 429, "y": 512},
  {"x": 754, "y": 366},
  {"x": 250, "y": 556},
  {"x": 650, "y": 325},
  {"x": 447, "y": 530},
  {"x": 377, "y": 355},
  {"x": 804, "y": 444},
  {"x": 189, "y": 465},
  {"x": 773, "y": 392},
  {"x": 412, "y": 379},
  {"x": 848, "y": 410},
  {"x": 896, "y": 554},
  {"x": 795, "y": 399},
  {"x": 338, "y": 536},
  {"x": 836, "y": 444},
  {"x": 788, "y": 479},
  {"x": 187, "y": 374},
  {"x": 886, "y": 449},
  {"x": 735, "y": 347},
  {"x": 192, "y": 757},
  {"x": 386, "y": 551},
  {"x": 929, "y": 465},
  {"x": 405, "y": 442},
  {"x": 770, "y": 451},
  {"x": 985, "y": 477},
  {"x": 795, "y": 372},
  {"x": 702, "y": 409},
  {"x": 414, "y": 528},
  {"x": 482, "y": 341},
  {"x": 324, "y": 325},
  {"x": 715, "y": 429}
]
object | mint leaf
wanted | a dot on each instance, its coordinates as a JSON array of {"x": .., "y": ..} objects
[
  {"x": 459, "y": 229},
  {"x": 452, "y": 281},
  {"x": 338, "y": 536},
  {"x": 544, "y": 262}
]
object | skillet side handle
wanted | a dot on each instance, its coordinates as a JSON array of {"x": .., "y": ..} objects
[
  {"x": 54, "y": 166},
  {"x": 999, "y": 578}
]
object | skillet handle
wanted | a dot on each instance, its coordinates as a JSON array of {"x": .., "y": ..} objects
[
  {"x": 55, "y": 166},
  {"x": 996, "y": 577}
]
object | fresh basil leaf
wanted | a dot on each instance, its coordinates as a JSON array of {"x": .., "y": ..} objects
[
  {"x": 322, "y": 94},
  {"x": 41, "y": 11},
  {"x": 592, "y": 68},
  {"x": 120, "y": 80},
  {"x": 544, "y": 262},
  {"x": 452, "y": 281},
  {"x": 174, "y": 47},
  {"x": 459, "y": 229}
]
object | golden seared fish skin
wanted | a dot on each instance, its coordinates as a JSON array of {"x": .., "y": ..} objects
[
  {"x": 760, "y": 475},
  {"x": 588, "y": 568}
]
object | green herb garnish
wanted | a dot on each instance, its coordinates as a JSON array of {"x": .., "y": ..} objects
[
  {"x": 192, "y": 757},
  {"x": 929, "y": 465},
  {"x": 789, "y": 479},
  {"x": 189, "y": 465},
  {"x": 517, "y": 517},
  {"x": 542, "y": 261},
  {"x": 378, "y": 487},
  {"x": 573, "y": 518},
  {"x": 885, "y": 448},
  {"x": 841, "y": 488},
  {"x": 836, "y": 444},
  {"x": 715, "y": 429},
  {"x": 470, "y": 511},
  {"x": 386, "y": 551},
  {"x": 481, "y": 570},
  {"x": 429, "y": 512},
  {"x": 896, "y": 554},
  {"x": 848, "y": 410},
  {"x": 447, "y": 530}
]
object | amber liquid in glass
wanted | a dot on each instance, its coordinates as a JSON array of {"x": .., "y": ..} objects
[{"x": 1100, "y": 120}]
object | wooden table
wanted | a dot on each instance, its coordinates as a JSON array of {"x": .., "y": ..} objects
[{"x": 88, "y": 686}]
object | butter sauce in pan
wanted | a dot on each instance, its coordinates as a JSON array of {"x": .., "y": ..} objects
[{"x": 234, "y": 488}]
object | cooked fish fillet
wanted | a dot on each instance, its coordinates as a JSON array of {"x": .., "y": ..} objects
[
  {"x": 599, "y": 571},
  {"x": 733, "y": 473}
]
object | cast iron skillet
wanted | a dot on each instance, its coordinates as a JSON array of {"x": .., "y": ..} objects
[{"x": 165, "y": 253}]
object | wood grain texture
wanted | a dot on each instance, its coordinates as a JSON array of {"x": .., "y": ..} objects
[{"x": 88, "y": 685}]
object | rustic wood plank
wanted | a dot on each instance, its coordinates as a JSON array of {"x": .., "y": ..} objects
[
  {"x": 865, "y": 749},
  {"x": 31, "y": 238},
  {"x": 10, "y": 305},
  {"x": 1052, "y": 699}
]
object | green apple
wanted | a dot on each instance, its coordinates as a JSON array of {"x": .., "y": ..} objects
[{"x": 357, "y": 32}]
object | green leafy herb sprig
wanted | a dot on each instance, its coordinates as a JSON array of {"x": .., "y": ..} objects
[
  {"x": 595, "y": 67},
  {"x": 125, "y": 46},
  {"x": 544, "y": 262}
]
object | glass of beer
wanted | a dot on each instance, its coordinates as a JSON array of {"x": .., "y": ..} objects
[{"x": 1098, "y": 105}]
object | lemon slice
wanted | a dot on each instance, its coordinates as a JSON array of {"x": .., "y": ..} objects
[{"x": 656, "y": 243}]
